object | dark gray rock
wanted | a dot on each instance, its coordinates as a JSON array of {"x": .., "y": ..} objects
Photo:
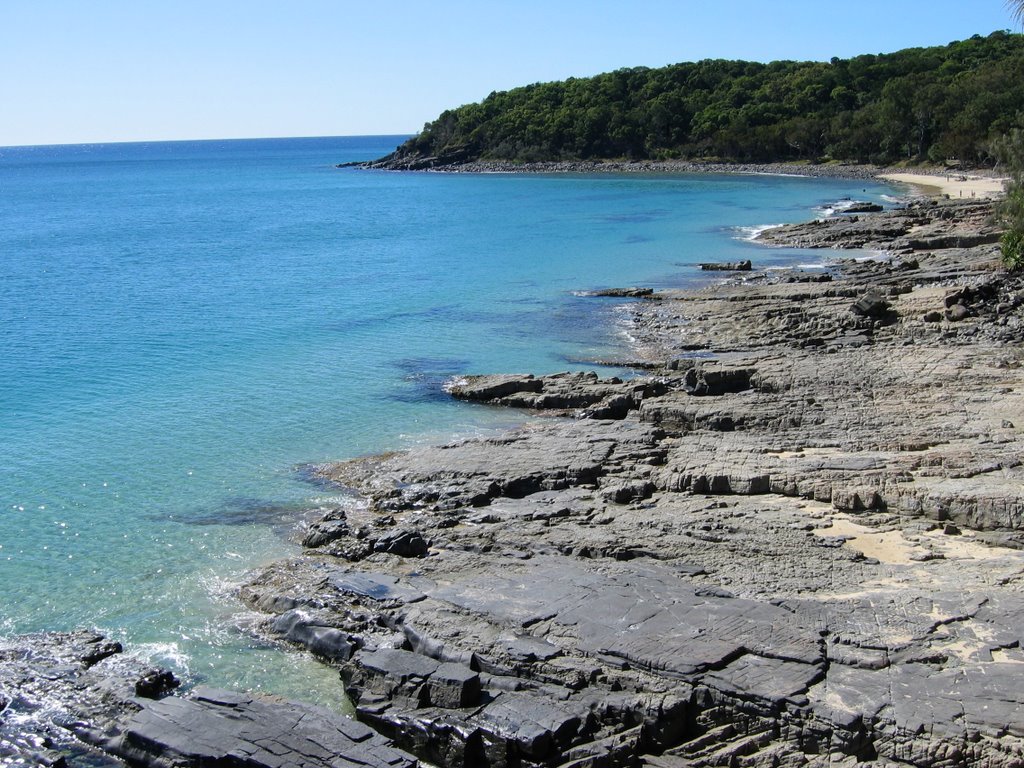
[
  {"x": 378, "y": 586},
  {"x": 404, "y": 543},
  {"x": 741, "y": 559},
  {"x": 860, "y": 206},
  {"x": 216, "y": 728},
  {"x": 298, "y": 626},
  {"x": 156, "y": 684},
  {"x": 454, "y": 686},
  {"x": 629, "y": 293},
  {"x": 727, "y": 266},
  {"x": 324, "y": 532},
  {"x": 71, "y": 708},
  {"x": 417, "y": 680},
  {"x": 871, "y": 304},
  {"x": 708, "y": 379}
]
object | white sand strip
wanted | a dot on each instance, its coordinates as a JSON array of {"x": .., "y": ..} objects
[{"x": 956, "y": 185}]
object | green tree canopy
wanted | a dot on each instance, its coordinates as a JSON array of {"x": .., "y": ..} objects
[{"x": 918, "y": 104}]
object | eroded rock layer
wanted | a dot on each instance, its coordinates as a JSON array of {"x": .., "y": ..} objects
[{"x": 797, "y": 542}]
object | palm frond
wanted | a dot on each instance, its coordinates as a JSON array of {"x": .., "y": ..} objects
[{"x": 1016, "y": 7}]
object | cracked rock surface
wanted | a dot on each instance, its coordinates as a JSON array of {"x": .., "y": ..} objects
[
  {"x": 797, "y": 541},
  {"x": 77, "y": 699},
  {"x": 799, "y": 546}
]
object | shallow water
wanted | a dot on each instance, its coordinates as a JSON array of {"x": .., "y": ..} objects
[{"x": 185, "y": 325}]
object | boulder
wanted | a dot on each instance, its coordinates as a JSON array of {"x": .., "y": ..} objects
[
  {"x": 404, "y": 543},
  {"x": 727, "y": 266},
  {"x": 872, "y": 304}
]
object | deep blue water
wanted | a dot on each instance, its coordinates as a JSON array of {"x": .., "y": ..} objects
[{"x": 184, "y": 325}]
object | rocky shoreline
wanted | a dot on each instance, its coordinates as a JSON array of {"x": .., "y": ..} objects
[
  {"x": 798, "y": 539},
  {"x": 443, "y": 165},
  {"x": 797, "y": 542}
]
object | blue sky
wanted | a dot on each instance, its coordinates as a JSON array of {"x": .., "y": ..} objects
[{"x": 112, "y": 70}]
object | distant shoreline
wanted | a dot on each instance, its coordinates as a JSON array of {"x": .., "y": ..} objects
[
  {"x": 836, "y": 171},
  {"x": 924, "y": 181}
]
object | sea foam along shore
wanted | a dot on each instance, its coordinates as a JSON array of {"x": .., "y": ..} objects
[{"x": 797, "y": 540}]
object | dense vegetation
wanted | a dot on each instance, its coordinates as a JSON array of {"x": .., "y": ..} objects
[
  {"x": 1010, "y": 212},
  {"x": 918, "y": 104}
]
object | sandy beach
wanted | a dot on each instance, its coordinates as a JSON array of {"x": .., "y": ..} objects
[{"x": 954, "y": 185}]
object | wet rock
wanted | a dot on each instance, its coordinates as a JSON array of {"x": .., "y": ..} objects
[
  {"x": 71, "y": 708},
  {"x": 314, "y": 633},
  {"x": 214, "y": 727},
  {"x": 610, "y": 398},
  {"x": 404, "y": 543},
  {"x": 487, "y": 388},
  {"x": 859, "y": 206},
  {"x": 629, "y": 293},
  {"x": 418, "y": 680},
  {"x": 156, "y": 684},
  {"x": 332, "y": 527},
  {"x": 727, "y": 266},
  {"x": 99, "y": 650}
]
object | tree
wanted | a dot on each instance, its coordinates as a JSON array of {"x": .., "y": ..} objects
[
  {"x": 917, "y": 104},
  {"x": 1010, "y": 151}
]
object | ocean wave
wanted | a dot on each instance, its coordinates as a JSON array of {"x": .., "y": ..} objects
[
  {"x": 874, "y": 256},
  {"x": 165, "y": 654},
  {"x": 753, "y": 232}
]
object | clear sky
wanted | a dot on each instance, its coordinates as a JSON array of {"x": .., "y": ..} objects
[{"x": 76, "y": 71}]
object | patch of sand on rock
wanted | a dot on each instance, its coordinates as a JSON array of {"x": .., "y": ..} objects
[
  {"x": 890, "y": 547},
  {"x": 966, "y": 547}
]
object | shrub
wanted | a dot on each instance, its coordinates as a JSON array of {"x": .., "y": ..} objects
[{"x": 1013, "y": 250}]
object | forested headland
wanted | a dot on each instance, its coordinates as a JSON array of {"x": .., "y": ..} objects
[{"x": 933, "y": 104}]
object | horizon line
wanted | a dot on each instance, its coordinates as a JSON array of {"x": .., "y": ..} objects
[{"x": 193, "y": 141}]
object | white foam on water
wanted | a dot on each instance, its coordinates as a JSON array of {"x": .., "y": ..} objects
[
  {"x": 162, "y": 654},
  {"x": 752, "y": 233},
  {"x": 875, "y": 256}
]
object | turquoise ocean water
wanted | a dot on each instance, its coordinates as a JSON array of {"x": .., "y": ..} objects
[{"x": 184, "y": 326}]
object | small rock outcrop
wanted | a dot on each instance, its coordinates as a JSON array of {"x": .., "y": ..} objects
[
  {"x": 727, "y": 266},
  {"x": 626, "y": 293},
  {"x": 77, "y": 699}
]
